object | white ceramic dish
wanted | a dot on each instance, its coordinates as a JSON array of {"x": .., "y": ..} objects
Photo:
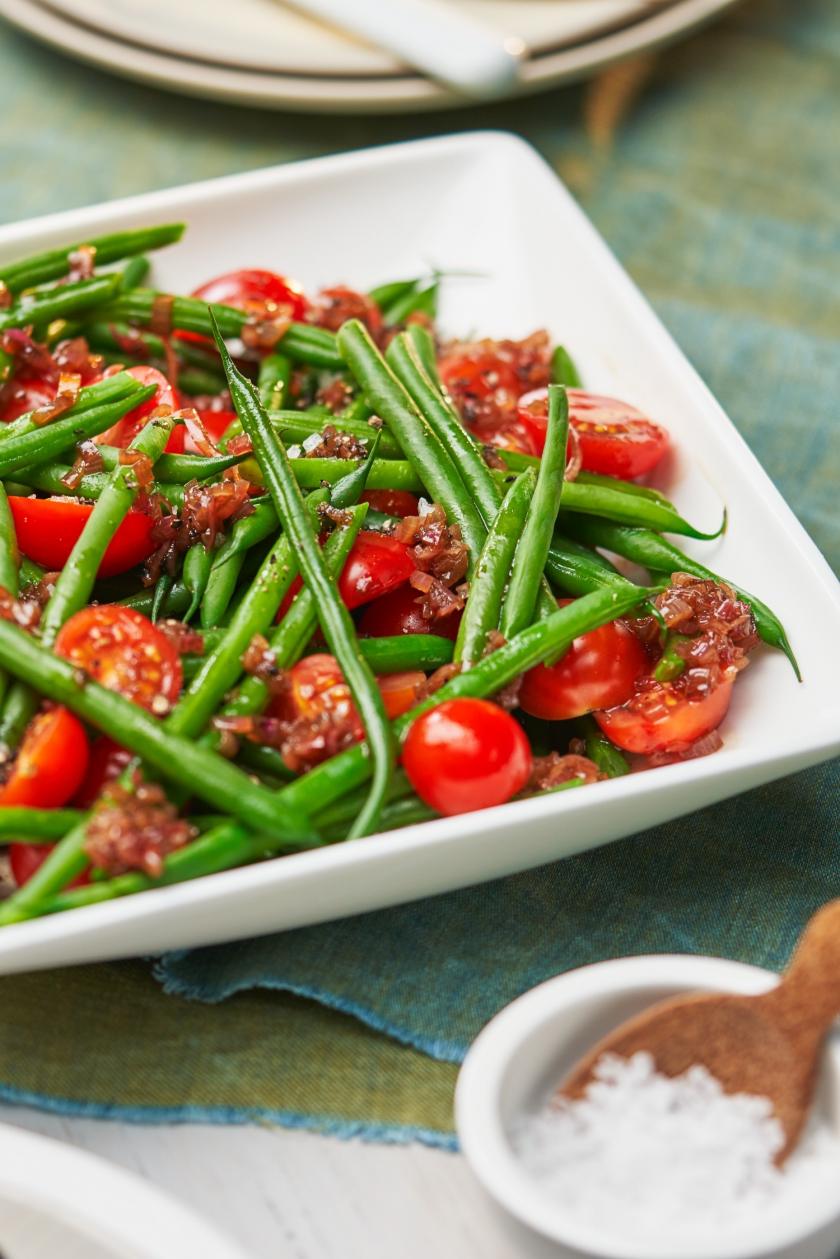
[
  {"x": 328, "y": 92},
  {"x": 523, "y": 1053},
  {"x": 55, "y": 1199},
  {"x": 388, "y": 212}
]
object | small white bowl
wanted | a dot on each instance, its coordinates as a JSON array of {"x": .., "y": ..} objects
[{"x": 525, "y": 1051}]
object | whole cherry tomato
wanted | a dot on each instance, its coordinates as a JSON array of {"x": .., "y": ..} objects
[
  {"x": 466, "y": 754},
  {"x": 376, "y": 564},
  {"x": 254, "y": 284},
  {"x": 50, "y": 764},
  {"x": 123, "y": 651},
  {"x": 661, "y": 720},
  {"x": 401, "y": 612},
  {"x": 598, "y": 671},
  {"x": 48, "y": 529}
]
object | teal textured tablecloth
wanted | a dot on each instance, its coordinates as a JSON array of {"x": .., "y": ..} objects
[{"x": 712, "y": 172}]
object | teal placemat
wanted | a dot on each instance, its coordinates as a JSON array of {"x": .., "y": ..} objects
[{"x": 711, "y": 170}]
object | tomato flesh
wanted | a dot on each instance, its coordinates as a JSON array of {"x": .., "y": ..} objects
[
  {"x": 26, "y": 859},
  {"x": 401, "y": 612},
  {"x": 122, "y": 433},
  {"x": 599, "y": 670},
  {"x": 401, "y": 691},
  {"x": 663, "y": 720},
  {"x": 392, "y": 502},
  {"x": 50, "y": 764},
  {"x": 107, "y": 761},
  {"x": 466, "y": 754},
  {"x": 48, "y": 529},
  {"x": 615, "y": 439},
  {"x": 124, "y": 652}
]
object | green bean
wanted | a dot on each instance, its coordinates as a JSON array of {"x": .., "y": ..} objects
[
  {"x": 9, "y": 553},
  {"x": 49, "y": 478},
  {"x": 55, "y": 263},
  {"x": 421, "y": 445},
  {"x": 359, "y": 412},
  {"x": 334, "y": 618},
  {"x": 350, "y": 488},
  {"x": 178, "y": 469},
  {"x": 198, "y": 564},
  {"x": 176, "y": 604},
  {"x": 178, "y": 759},
  {"x": 330, "y": 780},
  {"x": 385, "y": 294},
  {"x": 484, "y": 601},
  {"x": 17, "y": 454},
  {"x": 134, "y": 273},
  {"x": 195, "y": 382},
  {"x": 162, "y": 590},
  {"x": 125, "y": 341},
  {"x": 599, "y": 749},
  {"x": 671, "y": 663},
  {"x": 25, "y": 825},
  {"x": 395, "y": 815},
  {"x": 644, "y": 547},
  {"x": 112, "y": 389},
  {"x": 274, "y": 377},
  {"x": 445, "y": 423},
  {"x": 424, "y": 345},
  {"x": 220, "y": 589},
  {"x": 304, "y": 343},
  {"x": 75, "y": 582},
  {"x": 30, "y": 572},
  {"x": 287, "y": 641},
  {"x": 44, "y": 305},
  {"x": 402, "y": 652},
  {"x": 421, "y": 299},
  {"x": 563, "y": 370},
  {"x": 534, "y": 543}
]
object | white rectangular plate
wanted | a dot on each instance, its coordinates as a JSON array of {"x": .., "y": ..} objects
[{"x": 483, "y": 203}]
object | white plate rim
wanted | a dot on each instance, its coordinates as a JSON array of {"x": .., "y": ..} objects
[
  {"x": 120, "y": 1210},
  {"x": 28, "y": 945},
  {"x": 335, "y": 94}
]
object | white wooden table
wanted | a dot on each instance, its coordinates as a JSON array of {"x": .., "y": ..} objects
[{"x": 294, "y": 1195}]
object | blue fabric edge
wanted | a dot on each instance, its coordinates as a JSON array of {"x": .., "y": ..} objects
[
  {"x": 326, "y": 1125},
  {"x": 440, "y": 1050}
]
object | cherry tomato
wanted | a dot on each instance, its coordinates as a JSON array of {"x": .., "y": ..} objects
[
  {"x": 401, "y": 612},
  {"x": 376, "y": 564},
  {"x": 615, "y": 439},
  {"x": 481, "y": 375},
  {"x": 466, "y": 754},
  {"x": 123, "y": 651},
  {"x": 392, "y": 502},
  {"x": 107, "y": 761},
  {"x": 598, "y": 671},
  {"x": 215, "y": 424},
  {"x": 125, "y": 430},
  {"x": 400, "y": 691},
  {"x": 25, "y": 859},
  {"x": 253, "y": 284},
  {"x": 250, "y": 285},
  {"x": 48, "y": 529},
  {"x": 25, "y": 395},
  {"x": 51, "y": 762},
  {"x": 660, "y": 719}
]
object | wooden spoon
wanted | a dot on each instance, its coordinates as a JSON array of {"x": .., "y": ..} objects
[{"x": 767, "y": 1045}]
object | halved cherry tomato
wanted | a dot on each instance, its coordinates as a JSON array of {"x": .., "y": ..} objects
[
  {"x": 249, "y": 285},
  {"x": 466, "y": 754},
  {"x": 400, "y": 691},
  {"x": 615, "y": 439},
  {"x": 392, "y": 502},
  {"x": 317, "y": 687},
  {"x": 25, "y": 859},
  {"x": 480, "y": 374},
  {"x": 107, "y": 761},
  {"x": 25, "y": 395},
  {"x": 376, "y": 564},
  {"x": 51, "y": 762},
  {"x": 48, "y": 529},
  {"x": 123, "y": 651},
  {"x": 215, "y": 424},
  {"x": 598, "y": 671},
  {"x": 401, "y": 612},
  {"x": 125, "y": 430},
  {"x": 661, "y": 719}
]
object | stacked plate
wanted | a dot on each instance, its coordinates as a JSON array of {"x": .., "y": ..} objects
[{"x": 264, "y": 53}]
